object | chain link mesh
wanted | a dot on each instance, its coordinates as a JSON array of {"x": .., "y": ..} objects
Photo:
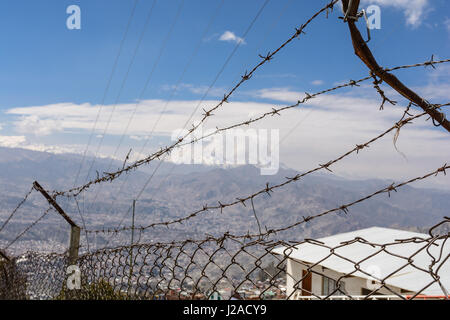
[{"x": 252, "y": 269}]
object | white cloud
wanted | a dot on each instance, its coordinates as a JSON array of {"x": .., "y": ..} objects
[
  {"x": 438, "y": 88},
  {"x": 21, "y": 142},
  {"x": 211, "y": 37},
  {"x": 317, "y": 82},
  {"x": 334, "y": 124},
  {"x": 38, "y": 126},
  {"x": 139, "y": 138},
  {"x": 56, "y": 149},
  {"x": 279, "y": 94},
  {"x": 231, "y": 37},
  {"x": 436, "y": 94},
  {"x": 12, "y": 141},
  {"x": 195, "y": 89},
  {"x": 414, "y": 10}
]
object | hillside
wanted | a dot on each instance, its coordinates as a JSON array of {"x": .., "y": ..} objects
[{"x": 187, "y": 189}]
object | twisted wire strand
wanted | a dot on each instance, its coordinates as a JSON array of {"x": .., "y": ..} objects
[
  {"x": 114, "y": 175},
  {"x": 111, "y": 176},
  {"x": 268, "y": 188}
]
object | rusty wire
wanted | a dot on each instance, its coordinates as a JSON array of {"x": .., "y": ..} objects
[
  {"x": 20, "y": 235},
  {"x": 268, "y": 189},
  {"x": 110, "y": 176},
  {"x": 342, "y": 208},
  {"x": 198, "y": 268},
  {"x": 276, "y": 111},
  {"x": 351, "y": 83},
  {"x": 255, "y": 268},
  {"x": 19, "y": 205}
]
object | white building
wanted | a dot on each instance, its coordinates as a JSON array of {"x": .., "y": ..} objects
[{"x": 399, "y": 276}]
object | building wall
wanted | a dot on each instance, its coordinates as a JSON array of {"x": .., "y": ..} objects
[{"x": 353, "y": 285}]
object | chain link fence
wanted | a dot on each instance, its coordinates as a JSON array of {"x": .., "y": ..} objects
[
  {"x": 352, "y": 265},
  {"x": 374, "y": 263}
]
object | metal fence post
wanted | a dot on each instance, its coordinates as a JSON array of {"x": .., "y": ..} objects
[
  {"x": 131, "y": 249},
  {"x": 74, "y": 243}
]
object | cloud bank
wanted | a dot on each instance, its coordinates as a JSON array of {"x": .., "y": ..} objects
[
  {"x": 414, "y": 10},
  {"x": 324, "y": 128}
]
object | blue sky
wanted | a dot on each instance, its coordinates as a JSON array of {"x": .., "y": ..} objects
[{"x": 53, "y": 78}]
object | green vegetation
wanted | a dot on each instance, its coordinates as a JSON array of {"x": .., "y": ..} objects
[
  {"x": 13, "y": 284},
  {"x": 100, "y": 290}
]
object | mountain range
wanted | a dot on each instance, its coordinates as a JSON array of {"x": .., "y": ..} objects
[{"x": 177, "y": 190}]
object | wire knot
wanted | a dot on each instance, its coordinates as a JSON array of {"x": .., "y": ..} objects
[
  {"x": 268, "y": 189},
  {"x": 207, "y": 113},
  {"x": 360, "y": 147},
  {"x": 242, "y": 201},
  {"x": 344, "y": 209},
  {"x": 391, "y": 188},
  {"x": 246, "y": 76},
  {"x": 442, "y": 169},
  {"x": 275, "y": 111},
  {"x": 430, "y": 63},
  {"x": 326, "y": 165},
  {"x": 267, "y": 57},
  {"x": 299, "y": 31}
]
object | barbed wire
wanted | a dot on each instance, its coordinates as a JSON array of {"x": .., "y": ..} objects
[
  {"x": 363, "y": 52},
  {"x": 114, "y": 175},
  {"x": 108, "y": 85},
  {"x": 344, "y": 208},
  {"x": 199, "y": 268},
  {"x": 268, "y": 189},
  {"x": 122, "y": 86},
  {"x": 409, "y": 261},
  {"x": 276, "y": 111},
  {"x": 201, "y": 100},
  {"x": 256, "y": 269},
  {"x": 141, "y": 95},
  {"x": 173, "y": 91},
  {"x": 172, "y": 94},
  {"x": 103, "y": 99},
  {"x": 20, "y": 235},
  {"x": 351, "y": 83},
  {"x": 124, "y": 182},
  {"x": 19, "y": 205},
  {"x": 248, "y": 74},
  {"x": 222, "y": 69}
]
